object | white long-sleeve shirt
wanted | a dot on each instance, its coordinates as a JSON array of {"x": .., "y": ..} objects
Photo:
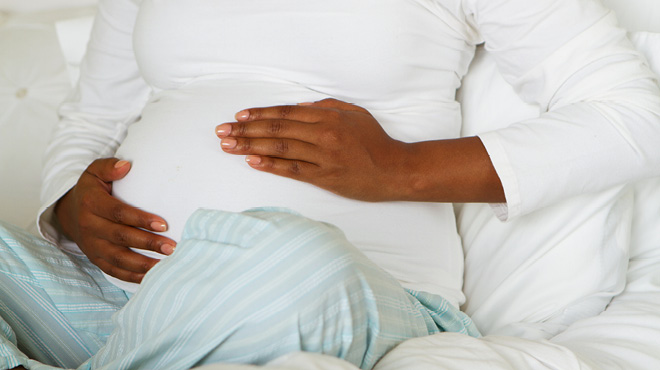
[{"x": 183, "y": 68}]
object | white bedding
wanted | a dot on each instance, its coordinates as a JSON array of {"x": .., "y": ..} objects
[{"x": 626, "y": 335}]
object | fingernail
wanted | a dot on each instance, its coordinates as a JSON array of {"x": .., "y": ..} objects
[
  {"x": 167, "y": 249},
  {"x": 158, "y": 226},
  {"x": 121, "y": 164},
  {"x": 228, "y": 143},
  {"x": 243, "y": 115},
  {"x": 223, "y": 130},
  {"x": 253, "y": 160}
]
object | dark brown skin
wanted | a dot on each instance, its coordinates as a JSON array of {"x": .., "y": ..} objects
[
  {"x": 340, "y": 147},
  {"x": 334, "y": 145},
  {"x": 104, "y": 227}
]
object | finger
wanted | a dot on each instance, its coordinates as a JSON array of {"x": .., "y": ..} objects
[
  {"x": 335, "y": 104},
  {"x": 124, "y": 264},
  {"x": 293, "y": 169},
  {"x": 109, "y": 169},
  {"x": 282, "y": 112},
  {"x": 125, "y": 259},
  {"x": 128, "y": 236},
  {"x": 267, "y": 128},
  {"x": 110, "y": 208},
  {"x": 277, "y": 147}
]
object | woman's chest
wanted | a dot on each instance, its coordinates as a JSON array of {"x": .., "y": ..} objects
[{"x": 339, "y": 46}]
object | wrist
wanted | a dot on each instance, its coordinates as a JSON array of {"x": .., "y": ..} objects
[
  {"x": 401, "y": 180},
  {"x": 61, "y": 212},
  {"x": 416, "y": 178},
  {"x": 452, "y": 170}
]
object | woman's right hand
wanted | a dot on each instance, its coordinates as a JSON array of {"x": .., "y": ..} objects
[{"x": 105, "y": 228}]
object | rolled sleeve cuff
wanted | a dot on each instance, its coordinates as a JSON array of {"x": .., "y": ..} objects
[
  {"x": 498, "y": 156},
  {"x": 48, "y": 227}
]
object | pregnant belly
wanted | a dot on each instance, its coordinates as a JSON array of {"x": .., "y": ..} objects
[{"x": 178, "y": 167}]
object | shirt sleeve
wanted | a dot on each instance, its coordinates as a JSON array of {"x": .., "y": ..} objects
[
  {"x": 94, "y": 119},
  {"x": 600, "y": 124}
]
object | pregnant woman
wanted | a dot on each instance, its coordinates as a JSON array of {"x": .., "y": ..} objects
[{"x": 296, "y": 163}]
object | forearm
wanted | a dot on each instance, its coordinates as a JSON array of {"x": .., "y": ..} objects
[{"x": 456, "y": 170}]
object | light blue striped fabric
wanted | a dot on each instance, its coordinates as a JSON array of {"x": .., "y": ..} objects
[
  {"x": 57, "y": 306},
  {"x": 241, "y": 287}
]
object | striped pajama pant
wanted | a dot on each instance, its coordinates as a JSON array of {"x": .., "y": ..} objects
[{"x": 241, "y": 287}]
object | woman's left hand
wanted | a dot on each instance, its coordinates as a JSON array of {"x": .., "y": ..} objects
[{"x": 334, "y": 145}]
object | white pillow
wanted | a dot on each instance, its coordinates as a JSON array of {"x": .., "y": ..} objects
[
  {"x": 74, "y": 35},
  {"x": 38, "y": 66},
  {"x": 534, "y": 276},
  {"x": 33, "y": 82}
]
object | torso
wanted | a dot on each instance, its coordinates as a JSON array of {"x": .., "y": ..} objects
[{"x": 401, "y": 60}]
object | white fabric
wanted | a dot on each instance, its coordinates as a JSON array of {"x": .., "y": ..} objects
[
  {"x": 73, "y": 35},
  {"x": 577, "y": 264},
  {"x": 625, "y": 336},
  {"x": 613, "y": 111},
  {"x": 551, "y": 268},
  {"x": 637, "y": 15},
  {"x": 33, "y": 82}
]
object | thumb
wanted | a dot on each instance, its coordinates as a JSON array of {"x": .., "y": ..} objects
[{"x": 109, "y": 169}]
